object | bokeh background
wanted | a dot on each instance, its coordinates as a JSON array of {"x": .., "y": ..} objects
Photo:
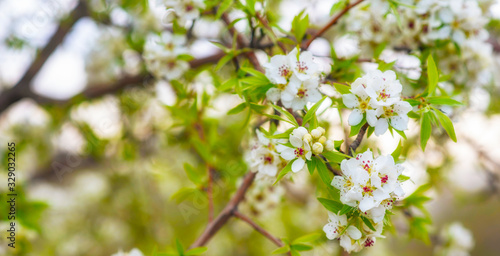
[{"x": 101, "y": 158}]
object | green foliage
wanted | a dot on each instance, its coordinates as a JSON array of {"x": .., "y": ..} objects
[{"x": 299, "y": 26}]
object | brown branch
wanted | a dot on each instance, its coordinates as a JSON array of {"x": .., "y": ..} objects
[
  {"x": 258, "y": 228},
  {"x": 22, "y": 87},
  {"x": 241, "y": 42},
  {"x": 226, "y": 213},
  {"x": 355, "y": 144},
  {"x": 332, "y": 22}
]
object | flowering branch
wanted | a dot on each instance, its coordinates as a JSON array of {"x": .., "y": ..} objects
[
  {"x": 332, "y": 22},
  {"x": 226, "y": 213}
]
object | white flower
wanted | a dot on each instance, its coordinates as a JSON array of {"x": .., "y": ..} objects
[
  {"x": 133, "y": 252},
  {"x": 348, "y": 235},
  {"x": 361, "y": 102},
  {"x": 279, "y": 69},
  {"x": 396, "y": 115},
  {"x": 304, "y": 66},
  {"x": 346, "y": 47},
  {"x": 301, "y": 151},
  {"x": 367, "y": 182},
  {"x": 263, "y": 157},
  {"x": 300, "y": 92}
]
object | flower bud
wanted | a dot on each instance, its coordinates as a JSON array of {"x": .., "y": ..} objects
[
  {"x": 316, "y": 133},
  {"x": 317, "y": 148},
  {"x": 307, "y": 137},
  {"x": 329, "y": 145},
  {"x": 322, "y": 130},
  {"x": 322, "y": 140}
]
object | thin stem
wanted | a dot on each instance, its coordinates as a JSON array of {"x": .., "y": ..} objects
[
  {"x": 332, "y": 22},
  {"x": 355, "y": 144},
  {"x": 258, "y": 228}
]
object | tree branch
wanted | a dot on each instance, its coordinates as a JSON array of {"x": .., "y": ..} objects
[
  {"x": 355, "y": 144},
  {"x": 332, "y": 22},
  {"x": 226, "y": 213},
  {"x": 258, "y": 228},
  {"x": 241, "y": 42},
  {"x": 22, "y": 88}
]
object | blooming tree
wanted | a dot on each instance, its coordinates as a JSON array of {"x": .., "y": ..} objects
[{"x": 265, "y": 108}]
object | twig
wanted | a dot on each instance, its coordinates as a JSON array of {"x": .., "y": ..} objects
[
  {"x": 240, "y": 41},
  {"x": 332, "y": 22},
  {"x": 266, "y": 25},
  {"x": 355, "y": 144},
  {"x": 226, "y": 213},
  {"x": 258, "y": 228}
]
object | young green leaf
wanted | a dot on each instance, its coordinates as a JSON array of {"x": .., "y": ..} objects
[
  {"x": 342, "y": 88},
  {"x": 196, "y": 251},
  {"x": 307, "y": 238},
  {"x": 301, "y": 247},
  {"x": 312, "y": 111},
  {"x": 331, "y": 205},
  {"x": 323, "y": 172},
  {"x": 237, "y": 109},
  {"x": 285, "y": 170},
  {"x": 446, "y": 123},
  {"x": 368, "y": 223},
  {"x": 397, "y": 152},
  {"x": 334, "y": 157},
  {"x": 425, "y": 129},
  {"x": 193, "y": 174},
  {"x": 282, "y": 250},
  {"x": 311, "y": 165},
  {"x": 442, "y": 100},
  {"x": 432, "y": 74},
  {"x": 288, "y": 115}
]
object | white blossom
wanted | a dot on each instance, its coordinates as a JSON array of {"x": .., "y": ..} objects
[
  {"x": 161, "y": 55},
  {"x": 263, "y": 157},
  {"x": 301, "y": 150},
  {"x": 337, "y": 227},
  {"x": 185, "y": 9},
  {"x": 133, "y": 252}
]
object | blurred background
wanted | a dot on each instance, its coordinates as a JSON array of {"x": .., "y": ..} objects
[{"x": 101, "y": 156}]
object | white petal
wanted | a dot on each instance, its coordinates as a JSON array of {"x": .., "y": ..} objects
[
  {"x": 296, "y": 141},
  {"x": 350, "y": 100},
  {"x": 381, "y": 126},
  {"x": 371, "y": 117},
  {"x": 298, "y": 164},
  {"x": 366, "y": 204},
  {"x": 273, "y": 94},
  {"x": 288, "y": 154},
  {"x": 355, "y": 117},
  {"x": 353, "y": 232}
]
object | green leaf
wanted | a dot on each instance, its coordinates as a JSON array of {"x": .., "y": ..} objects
[
  {"x": 355, "y": 129},
  {"x": 301, "y": 247},
  {"x": 432, "y": 74},
  {"x": 425, "y": 129},
  {"x": 337, "y": 6},
  {"x": 288, "y": 115},
  {"x": 334, "y": 157},
  {"x": 337, "y": 144},
  {"x": 403, "y": 178},
  {"x": 193, "y": 174},
  {"x": 342, "y": 88},
  {"x": 323, "y": 172},
  {"x": 237, "y": 109},
  {"x": 311, "y": 165},
  {"x": 183, "y": 194},
  {"x": 331, "y": 205},
  {"x": 223, "y": 8},
  {"x": 282, "y": 250},
  {"x": 397, "y": 152},
  {"x": 442, "y": 100},
  {"x": 346, "y": 209},
  {"x": 196, "y": 251},
  {"x": 368, "y": 223},
  {"x": 223, "y": 61},
  {"x": 180, "y": 249},
  {"x": 285, "y": 170},
  {"x": 446, "y": 123},
  {"x": 384, "y": 66},
  {"x": 254, "y": 73},
  {"x": 299, "y": 26},
  {"x": 312, "y": 111},
  {"x": 307, "y": 238}
]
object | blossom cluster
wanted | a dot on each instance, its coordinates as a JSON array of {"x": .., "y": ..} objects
[
  {"x": 161, "y": 55},
  {"x": 303, "y": 144},
  {"x": 296, "y": 79},
  {"x": 377, "y": 96},
  {"x": 263, "y": 157},
  {"x": 370, "y": 185}
]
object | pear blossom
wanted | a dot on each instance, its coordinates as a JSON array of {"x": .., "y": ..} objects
[
  {"x": 366, "y": 182},
  {"x": 263, "y": 157},
  {"x": 456, "y": 240},
  {"x": 300, "y": 152},
  {"x": 185, "y": 9},
  {"x": 346, "y": 46},
  {"x": 161, "y": 55},
  {"x": 296, "y": 79},
  {"x": 377, "y": 96},
  {"x": 338, "y": 228}
]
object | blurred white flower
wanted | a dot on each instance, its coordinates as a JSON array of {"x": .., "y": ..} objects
[
  {"x": 346, "y": 47},
  {"x": 133, "y": 252},
  {"x": 337, "y": 227}
]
